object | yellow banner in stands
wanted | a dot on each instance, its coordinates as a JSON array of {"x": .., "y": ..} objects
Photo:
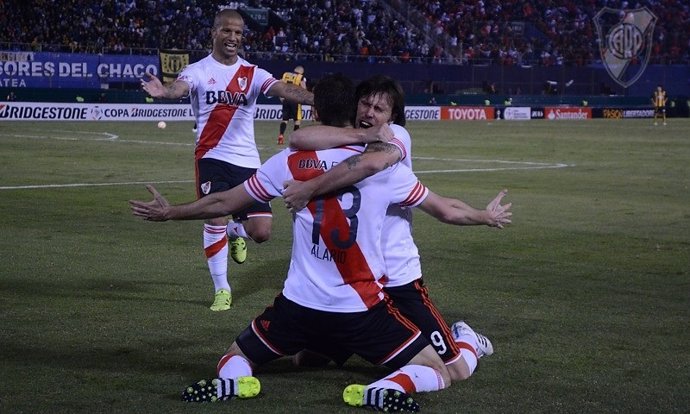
[{"x": 172, "y": 62}]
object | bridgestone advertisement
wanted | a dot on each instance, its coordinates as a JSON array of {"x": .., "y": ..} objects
[
  {"x": 46, "y": 111},
  {"x": 38, "y": 111}
]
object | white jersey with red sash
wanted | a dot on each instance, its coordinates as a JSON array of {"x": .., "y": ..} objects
[
  {"x": 337, "y": 262},
  {"x": 399, "y": 250},
  {"x": 224, "y": 102}
]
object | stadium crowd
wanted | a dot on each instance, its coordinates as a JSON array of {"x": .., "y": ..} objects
[{"x": 549, "y": 32}]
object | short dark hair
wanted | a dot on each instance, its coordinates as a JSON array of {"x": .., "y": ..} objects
[
  {"x": 385, "y": 84},
  {"x": 334, "y": 100},
  {"x": 226, "y": 14}
]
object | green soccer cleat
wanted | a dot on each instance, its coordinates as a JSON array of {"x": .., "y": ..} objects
[
  {"x": 380, "y": 399},
  {"x": 221, "y": 389},
  {"x": 222, "y": 300},
  {"x": 238, "y": 250}
]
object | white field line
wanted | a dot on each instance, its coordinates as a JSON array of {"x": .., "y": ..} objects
[
  {"x": 106, "y": 136},
  {"x": 73, "y": 185},
  {"x": 514, "y": 165}
]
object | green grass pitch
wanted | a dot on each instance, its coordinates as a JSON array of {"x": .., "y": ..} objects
[{"x": 586, "y": 296}]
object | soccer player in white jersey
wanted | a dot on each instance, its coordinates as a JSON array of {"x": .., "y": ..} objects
[
  {"x": 332, "y": 295},
  {"x": 223, "y": 89},
  {"x": 380, "y": 103}
]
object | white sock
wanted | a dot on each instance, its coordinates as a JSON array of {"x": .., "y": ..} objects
[
  {"x": 410, "y": 379},
  {"x": 470, "y": 358},
  {"x": 216, "y": 250},
  {"x": 233, "y": 366},
  {"x": 236, "y": 229},
  {"x": 468, "y": 350}
]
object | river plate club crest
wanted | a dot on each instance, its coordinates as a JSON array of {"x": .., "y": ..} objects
[{"x": 625, "y": 38}]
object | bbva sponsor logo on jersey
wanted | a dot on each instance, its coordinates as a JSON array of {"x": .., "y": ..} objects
[
  {"x": 313, "y": 164},
  {"x": 466, "y": 113},
  {"x": 226, "y": 97}
]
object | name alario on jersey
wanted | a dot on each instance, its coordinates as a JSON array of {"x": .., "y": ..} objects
[
  {"x": 226, "y": 97},
  {"x": 334, "y": 255}
]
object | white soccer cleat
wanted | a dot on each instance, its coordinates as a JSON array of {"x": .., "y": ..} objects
[{"x": 484, "y": 345}]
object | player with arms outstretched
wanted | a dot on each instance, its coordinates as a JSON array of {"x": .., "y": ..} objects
[{"x": 223, "y": 89}]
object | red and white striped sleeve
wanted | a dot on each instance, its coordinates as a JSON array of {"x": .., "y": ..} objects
[
  {"x": 416, "y": 196},
  {"x": 408, "y": 191},
  {"x": 267, "y": 183}
]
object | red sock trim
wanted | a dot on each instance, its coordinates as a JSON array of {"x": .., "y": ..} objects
[
  {"x": 224, "y": 360},
  {"x": 465, "y": 345},
  {"x": 404, "y": 381}
]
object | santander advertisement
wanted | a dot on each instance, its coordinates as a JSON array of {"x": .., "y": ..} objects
[{"x": 573, "y": 113}]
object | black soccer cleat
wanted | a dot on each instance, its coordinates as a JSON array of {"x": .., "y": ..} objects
[
  {"x": 379, "y": 399},
  {"x": 221, "y": 389}
]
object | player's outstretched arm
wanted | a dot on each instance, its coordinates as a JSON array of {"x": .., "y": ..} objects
[
  {"x": 319, "y": 137},
  {"x": 452, "y": 211},
  {"x": 213, "y": 205},
  {"x": 377, "y": 157},
  {"x": 153, "y": 86},
  {"x": 291, "y": 92}
]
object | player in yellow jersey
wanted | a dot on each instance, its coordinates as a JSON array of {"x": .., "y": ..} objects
[
  {"x": 291, "y": 111},
  {"x": 659, "y": 101}
]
